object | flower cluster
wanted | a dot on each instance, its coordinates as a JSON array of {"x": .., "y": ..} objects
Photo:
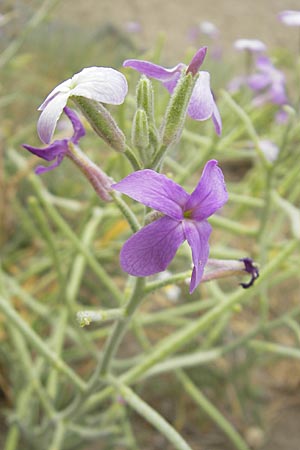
[{"x": 179, "y": 216}]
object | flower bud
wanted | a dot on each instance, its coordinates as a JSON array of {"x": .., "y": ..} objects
[
  {"x": 140, "y": 133},
  {"x": 177, "y": 109},
  {"x": 102, "y": 122},
  {"x": 144, "y": 97}
]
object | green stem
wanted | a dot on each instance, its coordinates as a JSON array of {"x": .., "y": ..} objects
[
  {"x": 248, "y": 125},
  {"x": 130, "y": 155},
  {"x": 68, "y": 232},
  {"x": 58, "y": 437},
  {"x": 174, "y": 342},
  {"x": 39, "y": 344},
  {"x": 203, "y": 402},
  {"x": 114, "y": 340},
  {"x": 127, "y": 212},
  {"x": 182, "y": 337},
  {"x": 150, "y": 415}
]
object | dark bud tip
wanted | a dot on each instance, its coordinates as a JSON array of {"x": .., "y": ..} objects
[{"x": 252, "y": 270}]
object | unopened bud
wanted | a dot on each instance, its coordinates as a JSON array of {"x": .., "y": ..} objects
[
  {"x": 140, "y": 130},
  {"x": 144, "y": 97},
  {"x": 102, "y": 122},
  {"x": 177, "y": 109}
]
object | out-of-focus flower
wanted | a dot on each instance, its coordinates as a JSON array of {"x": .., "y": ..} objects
[
  {"x": 151, "y": 249},
  {"x": 132, "y": 27},
  {"x": 270, "y": 150},
  {"x": 202, "y": 105},
  {"x": 101, "y": 84},
  {"x": 209, "y": 29},
  {"x": 290, "y": 18},
  {"x": 59, "y": 148},
  {"x": 252, "y": 45},
  {"x": 270, "y": 81}
]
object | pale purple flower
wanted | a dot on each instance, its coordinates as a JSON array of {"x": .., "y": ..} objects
[
  {"x": 132, "y": 27},
  {"x": 270, "y": 150},
  {"x": 152, "y": 248},
  {"x": 59, "y": 148},
  {"x": 268, "y": 80},
  {"x": 252, "y": 45},
  {"x": 209, "y": 29},
  {"x": 101, "y": 84},
  {"x": 290, "y": 18},
  {"x": 202, "y": 105}
]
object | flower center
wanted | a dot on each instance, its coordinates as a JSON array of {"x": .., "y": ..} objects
[{"x": 187, "y": 214}]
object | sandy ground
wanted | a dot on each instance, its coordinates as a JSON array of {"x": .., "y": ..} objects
[{"x": 235, "y": 19}]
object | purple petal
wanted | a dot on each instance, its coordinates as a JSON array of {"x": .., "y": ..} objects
[
  {"x": 277, "y": 94},
  {"x": 101, "y": 84},
  {"x": 154, "y": 190},
  {"x": 210, "y": 193},
  {"x": 290, "y": 18},
  {"x": 78, "y": 128},
  {"x": 50, "y": 115},
  {"x": 216, "y": 118},
  {"x": 197, "y": 235},
  {"x": 258, "y": 81},
  {"x": 151, "y": 249},
  {"x": 202, "y": 103},
  {"x": 49, "y": 153},
  {"x": 197, "y": 61},
  {"x": 42, "y": 169},
  {"x": 171, "y": 84},
  {"x": 153, "y": 70},
  {"x": 264, "y": 64}
]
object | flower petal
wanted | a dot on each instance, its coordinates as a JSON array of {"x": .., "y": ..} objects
[
  {"x": 210, "y": 193},
  {"x": 43, "y": 169},
  {"x": 154, "y": 190},
  {"x": 49, "y": 153},
  {"x": 101, "y": 84},
  {"x": 153, "y": 70},
  {"x": 197, "y": 235},
  {"x": 202, "y": 102},
  {"x": 62, "y": 88},
  {"x": 78, "y": 128},
  {"x": 151, "y": 249},
  {"x": 50, "y": 115},
  {"x": 290, "y": 18},
  {"x": 197, "y": 61},
  {"x": 253, "y": 45},
  {"x": 216, "y": 118},
  {"x": 258, "y": 81}
]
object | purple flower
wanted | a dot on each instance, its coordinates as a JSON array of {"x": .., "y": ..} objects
[
  {"x": 252, "y": 45},
  {"x": 59, "y": 148},
  {"x": 202, "y": 105},
  {"x": 269, "y": 80},
  {"x": 152, "y": 248},
  {"x": 101, "y": 84},
  {"x": 290, "y": 18}
]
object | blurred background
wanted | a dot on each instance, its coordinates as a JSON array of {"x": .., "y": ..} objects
[{"x": 39, "y": 51}]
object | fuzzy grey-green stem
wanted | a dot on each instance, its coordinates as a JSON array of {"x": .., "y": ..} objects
[
  {"x": 114, "y": 340},
  {"x": 39, "y": 344},
  {"x": 202, "y": 401},
  {"x": 150, "y": 415}
]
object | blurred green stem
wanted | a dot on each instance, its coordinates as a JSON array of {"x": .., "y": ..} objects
[
  {"x": 150, "y": 415},
  {"x": 199, "y": 398}
]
